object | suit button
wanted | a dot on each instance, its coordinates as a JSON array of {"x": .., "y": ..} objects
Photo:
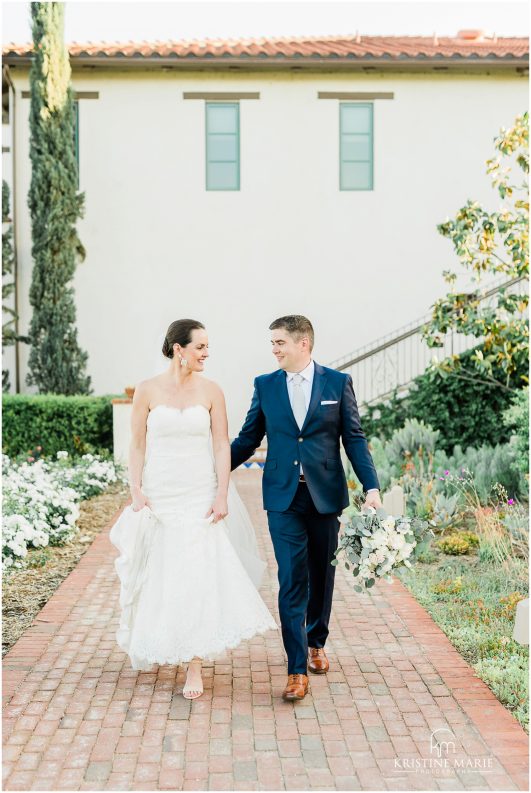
[
  {"x": 295, "y": 462},
  {"x": 301, "y": 440}
]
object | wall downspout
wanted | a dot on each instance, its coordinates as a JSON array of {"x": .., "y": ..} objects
[{"x": 14, "y": 225}]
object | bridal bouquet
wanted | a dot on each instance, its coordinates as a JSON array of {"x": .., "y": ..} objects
[{"x": 374, "y": 543}]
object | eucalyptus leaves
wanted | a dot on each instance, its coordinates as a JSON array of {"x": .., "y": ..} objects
[{"x": 373, "y": 543}]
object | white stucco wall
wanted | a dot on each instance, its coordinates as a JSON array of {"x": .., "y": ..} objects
[{"x": 160, "y": 247}]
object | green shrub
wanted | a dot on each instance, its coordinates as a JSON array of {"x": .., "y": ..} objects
[
  {"x": 412, "y": 446},
  {"x": 382, "y": 419},
  {"x": 76, "y": 424},
  {"x": 517, "y": 417},
  {"x": 411, "y": 459},
  {"x": 465, "y": 412},
  {"x": 488, "y": 465}
]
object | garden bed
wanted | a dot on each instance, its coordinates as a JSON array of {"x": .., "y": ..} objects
[{"x": 26, "y": 591}]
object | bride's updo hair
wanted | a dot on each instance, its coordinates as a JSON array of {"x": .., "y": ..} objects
[{"x": 180, "y": 332}]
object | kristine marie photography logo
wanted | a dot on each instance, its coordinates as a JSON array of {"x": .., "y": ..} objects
[{"x": 443, "y": 757}]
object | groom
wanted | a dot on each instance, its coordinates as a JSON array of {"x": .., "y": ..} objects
[{"x": 305, "y": 409}]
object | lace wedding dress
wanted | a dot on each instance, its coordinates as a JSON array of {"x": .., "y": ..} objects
[{"x": 188, "y": 587}]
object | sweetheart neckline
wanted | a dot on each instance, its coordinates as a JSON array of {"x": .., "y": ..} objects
[{"x": 180, "y": 410}]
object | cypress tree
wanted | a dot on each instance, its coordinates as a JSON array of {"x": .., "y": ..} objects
[
  {"x": 8, "y": 286},
  {"x": 56, "y": 362}
]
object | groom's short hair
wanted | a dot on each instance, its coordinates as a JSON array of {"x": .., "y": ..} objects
[{"x": 296, "y": 325}]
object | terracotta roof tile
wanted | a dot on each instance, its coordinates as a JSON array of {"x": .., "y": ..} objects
[{"x": 352, "y": 46}]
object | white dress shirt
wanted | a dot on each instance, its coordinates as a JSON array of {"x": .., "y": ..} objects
[{"x": 307, "y": 374}]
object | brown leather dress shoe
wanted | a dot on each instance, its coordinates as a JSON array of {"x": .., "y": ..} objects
[
  {"x": 317, "y": 661},
  {"x": 296, "y": 688}
]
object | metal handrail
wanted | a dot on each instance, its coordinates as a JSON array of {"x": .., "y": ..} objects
[{"x": 404, "y": 332}]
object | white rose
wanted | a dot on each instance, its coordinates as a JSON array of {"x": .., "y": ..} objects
[
  {"x": 397, "y": 541},
  {"x": 379, "y": 538},
  {"x": 380, "y": 555}
]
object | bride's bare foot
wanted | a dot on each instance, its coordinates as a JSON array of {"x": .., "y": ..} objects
[{"x": 193, "y": 687}]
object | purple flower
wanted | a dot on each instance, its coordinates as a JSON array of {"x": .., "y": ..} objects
[
  {"x": 510, "y": 501},
  {"x": 446, "y": 473}
]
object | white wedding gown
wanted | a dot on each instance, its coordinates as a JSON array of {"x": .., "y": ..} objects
[{"x": 188, "y": 587}]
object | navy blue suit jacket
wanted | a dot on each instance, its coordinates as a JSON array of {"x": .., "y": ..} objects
[{"x": 315, "y": 445}]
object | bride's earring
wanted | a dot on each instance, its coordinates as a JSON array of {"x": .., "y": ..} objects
[{"x": 183, "y": 361}]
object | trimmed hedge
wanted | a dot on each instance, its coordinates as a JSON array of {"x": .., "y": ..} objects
[{"x": 76, "y": 424}]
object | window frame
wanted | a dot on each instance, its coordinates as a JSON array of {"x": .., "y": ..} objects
[
  {"x": 236, "y": 134},
  {"x": 370, "y": 135}
]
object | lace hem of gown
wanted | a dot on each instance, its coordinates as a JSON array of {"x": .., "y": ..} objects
[
  {"x": 139, "y": 535},
  {"x": 143, "y": 659}
]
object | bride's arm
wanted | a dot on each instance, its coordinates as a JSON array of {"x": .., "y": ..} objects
[
  {"x": 137, "y": 446},
  {"x": 221, "y": 448}
]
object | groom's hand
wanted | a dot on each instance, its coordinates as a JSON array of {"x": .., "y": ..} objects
[{"x": 373, "y": 500}]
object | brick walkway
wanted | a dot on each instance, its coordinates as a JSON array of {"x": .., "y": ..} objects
[{"x": 76, "y": 716}]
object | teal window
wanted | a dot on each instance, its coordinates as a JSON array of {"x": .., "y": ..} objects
[
  {"x": 222, "y": 146},
  {"x": 76, "y": 136},
  {"x": 356, "y": 146}
]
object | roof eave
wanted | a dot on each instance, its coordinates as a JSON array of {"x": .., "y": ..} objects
[{"x": 268, "y": 62}]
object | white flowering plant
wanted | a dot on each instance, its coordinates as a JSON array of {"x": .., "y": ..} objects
[
  {"x": 41, "y": 500},
  {"x": 88, "y": 476},
  {"x": 373, "y": 543}
]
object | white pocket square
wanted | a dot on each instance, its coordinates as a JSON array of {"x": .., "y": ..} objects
[{"x": 329, "y": 402}]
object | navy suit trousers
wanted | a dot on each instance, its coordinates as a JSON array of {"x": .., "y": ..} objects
[{"x": 304, "y": 541}]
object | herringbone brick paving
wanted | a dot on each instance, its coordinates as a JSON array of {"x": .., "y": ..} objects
[{"x": 77, "y": 717}]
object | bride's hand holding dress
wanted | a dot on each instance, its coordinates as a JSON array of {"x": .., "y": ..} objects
[
  {"x": 139, "y": 501},
  {"x": 218, "y": 510}
]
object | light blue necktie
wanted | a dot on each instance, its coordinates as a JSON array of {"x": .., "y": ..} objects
[{"x": 298, "y": 400}]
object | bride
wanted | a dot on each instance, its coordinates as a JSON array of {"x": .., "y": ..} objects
[{"x": 189, "y": 571}]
